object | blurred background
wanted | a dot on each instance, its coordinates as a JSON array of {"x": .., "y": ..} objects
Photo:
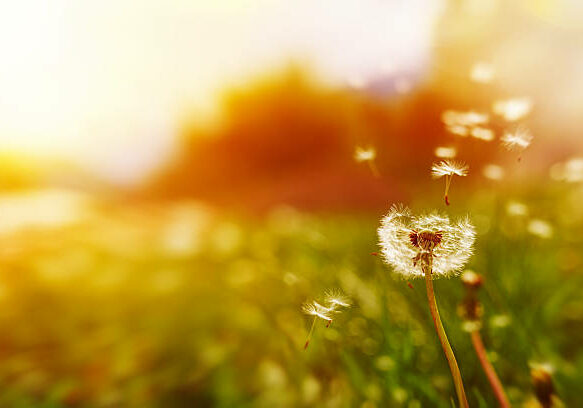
[{"x": 178, "y": 177}]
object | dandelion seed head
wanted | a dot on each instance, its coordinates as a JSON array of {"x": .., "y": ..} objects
[
  {"x": 517, "y": 140},
  {"x": 482, "y": 133},
  {"x": 362, "y": 154},
  {"x": 482, "y": 72},
  {"x": 449, "y": 168},
  {"x": 512, "y": 109},
  {"x": 493, "y": 172},
  {"x": 444, "y": 152},
  {"x": 450, "y": 244}
]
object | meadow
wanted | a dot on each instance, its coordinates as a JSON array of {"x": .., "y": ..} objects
[{"x": 179, "y": 305}]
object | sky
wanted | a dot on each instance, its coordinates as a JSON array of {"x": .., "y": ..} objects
[{"x": 106, "y": 83}]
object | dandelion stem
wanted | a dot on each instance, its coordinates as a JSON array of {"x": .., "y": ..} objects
[
  {"x": 455, "y": 371},
  {"x": 489, "y": 370},
  {"x": 373, "y": 168},
  {"x": 310, "y": 333},
  {"x": 448, "y": 179}
]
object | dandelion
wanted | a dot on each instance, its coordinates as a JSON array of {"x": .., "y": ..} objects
[
  {"x": 428, "y": 245},
  {"x": 482, "y": 133},
  {"x": 336, "y": 298},
  {"x": 458, "y": 130},
  {"x": 512, "y": 109},
  {"x": 334, "y": 301},
  {"x": 542, "y": 380},
  {"x": 448, "y": 169},
  {"x": 367, "y": 155},
  {"x": 482, "y": 72},
  {"x": 518, "y": 140},
  {"x": 444, "y": 152},
  {"x": 468, "y": 119},
  {"x": 471, "y": 311}
]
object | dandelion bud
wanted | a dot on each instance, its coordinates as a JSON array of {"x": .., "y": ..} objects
[{"x": 543, "y": 384}]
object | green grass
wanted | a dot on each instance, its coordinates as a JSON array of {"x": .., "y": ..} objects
[{"x": 127, "y": 309}]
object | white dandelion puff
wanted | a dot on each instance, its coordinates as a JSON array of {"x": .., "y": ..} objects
[
  {"x": 426, "y": 246},
  {"x": 448, "y": 169},
  {"x": 406, "y": 240},
  {"x": 482, "y": 133},
  {"x": 512, "y": 109},
  {"x": 519, "y": 139}
]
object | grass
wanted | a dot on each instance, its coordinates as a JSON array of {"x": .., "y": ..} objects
[{"x": 179, "y": 306}]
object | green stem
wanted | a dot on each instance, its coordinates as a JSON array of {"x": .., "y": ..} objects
[
  {"x": 489, "y": 370},
  {"x": 455, "y": 371}
]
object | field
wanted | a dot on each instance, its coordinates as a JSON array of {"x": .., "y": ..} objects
[{"x": 180, "y": 305}]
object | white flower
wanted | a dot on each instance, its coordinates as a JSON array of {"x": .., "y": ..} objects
[
  {"x": 406, "y": 239},
  {"x": 518, "y": 140}
]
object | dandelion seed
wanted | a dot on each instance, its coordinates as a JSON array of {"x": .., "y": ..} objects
[
  {"x": 470, "y": 118},
  {"x": 458, "y": 130},
  {"x": 448, "y": 169},
  {"x": 444, "y": 152},
  {"x": 367, "y": 155},
  {"x": 405, "y": 240},
  {"x": 364, "y": 154},
  {"x": 512, "y": 109},
  {"x": 518, "y": 140},
  {"x": 482, "y": 133},
  {"x": 493, "y": 172},
  {"x": 334, "y": 300},
  {"x": 482, "y": 72}
]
